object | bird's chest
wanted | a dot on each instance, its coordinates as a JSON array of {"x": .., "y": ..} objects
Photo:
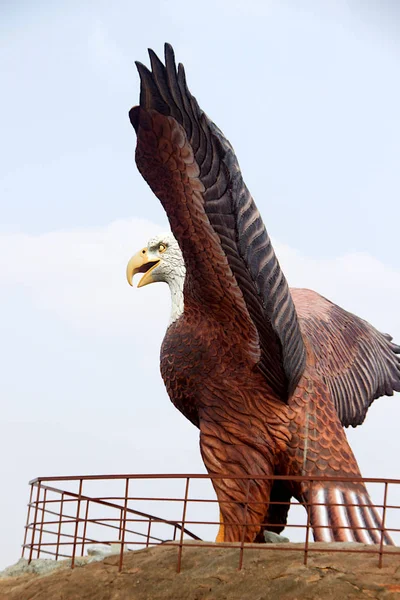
[{"x": 196, "y": 359}]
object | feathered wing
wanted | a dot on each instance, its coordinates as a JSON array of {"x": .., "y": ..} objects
[
  {"x": 193, "y": 170},
  {"x": 357, "y": 362}
]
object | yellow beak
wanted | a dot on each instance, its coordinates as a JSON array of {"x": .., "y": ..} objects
[{"x": 140, "y": 263}]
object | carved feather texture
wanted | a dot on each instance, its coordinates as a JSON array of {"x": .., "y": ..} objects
[
  {"x": 357, "y": 362},
  {"x": 341, "y": 514},
  {"x": 233, "y": 216}
]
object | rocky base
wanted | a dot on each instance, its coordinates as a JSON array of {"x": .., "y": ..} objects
[{"x": 212, "y": 574}]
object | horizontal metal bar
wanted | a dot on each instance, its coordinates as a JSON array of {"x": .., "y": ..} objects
[
  {"x": 46, "y": 551},
  {"x": 134, "y": 476},
  {"x": 263, "y": 547},
  {"x": 104, "y": 500},
  {"x": 105, "y": 542},
  {"x": 105, "y": 523}
]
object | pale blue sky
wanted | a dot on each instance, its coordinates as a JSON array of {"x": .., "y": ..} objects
[
  {"x": 308, "y": 95},
  {"x": 307, "y": 92}
]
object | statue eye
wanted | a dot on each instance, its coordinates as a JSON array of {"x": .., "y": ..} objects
[{"x": 162, "y": 248}]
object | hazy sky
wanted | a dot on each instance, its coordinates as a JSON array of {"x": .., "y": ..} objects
[{"x": 307, "y": 92}]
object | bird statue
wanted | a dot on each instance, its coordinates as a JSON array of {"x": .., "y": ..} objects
[{"x": 269, "y": 375}]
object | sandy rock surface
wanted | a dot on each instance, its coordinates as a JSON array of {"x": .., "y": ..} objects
[{"x": 212, "y": 574}]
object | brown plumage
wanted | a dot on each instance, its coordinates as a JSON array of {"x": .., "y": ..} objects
[{"x": 270, "y": 376}]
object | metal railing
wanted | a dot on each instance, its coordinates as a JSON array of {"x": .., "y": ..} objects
[{"x": 67, "y": 514}]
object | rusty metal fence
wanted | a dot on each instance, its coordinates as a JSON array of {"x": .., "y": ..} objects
[{"x": 68, "y": 514}]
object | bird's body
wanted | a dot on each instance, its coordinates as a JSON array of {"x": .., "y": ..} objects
[
  {"x": 245, "y": 429},
  {"x": 269, "y": 375},
  {"x": 243, "y": 426}
]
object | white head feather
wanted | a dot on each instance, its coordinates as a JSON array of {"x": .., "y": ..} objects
[{"x": 171, "y": 269}]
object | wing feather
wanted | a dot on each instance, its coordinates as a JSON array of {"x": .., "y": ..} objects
[
  {"x": 357, "y": 362},
  {"x": 232, "y": 215}
]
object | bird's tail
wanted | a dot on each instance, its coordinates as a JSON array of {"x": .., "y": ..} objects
[{"x": 343, "y": 513}]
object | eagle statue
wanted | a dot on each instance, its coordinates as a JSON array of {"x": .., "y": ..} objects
[{"x": 270, "y": 375}]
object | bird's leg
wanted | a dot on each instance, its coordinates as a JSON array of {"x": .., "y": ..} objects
[
  {"x": 276, "y": 518},
  {"x": 340, "y": 510},
  {"x": 243, "y": 504},
  {"x": 243, "y": 501},
  {"x": 221, "y": 531}
]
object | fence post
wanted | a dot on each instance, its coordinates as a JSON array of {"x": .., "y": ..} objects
[
  {"x": 34, "y": 522},
  {"x": 78, "y": 508},
  {"x": 383, "y": 524},
  {"x": 309, "y": 508},
  {"x": 121, "y": 518},
  {"x": 27, "y": 521},
  {"x": 246, "y": 506},
  {"x": 122, "y": 536},
  {"x": 42, "y": 523},
  {"x": 148, "y": 533},
  {"x": 59, "y": 525},
  {"x": 84, "y": 527},
  {"x": 178, "y": 567}
]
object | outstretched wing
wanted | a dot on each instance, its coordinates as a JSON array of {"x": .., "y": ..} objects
[
  {"x": 357, "y": 362},
  {"x": 193, "y": 170}
]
